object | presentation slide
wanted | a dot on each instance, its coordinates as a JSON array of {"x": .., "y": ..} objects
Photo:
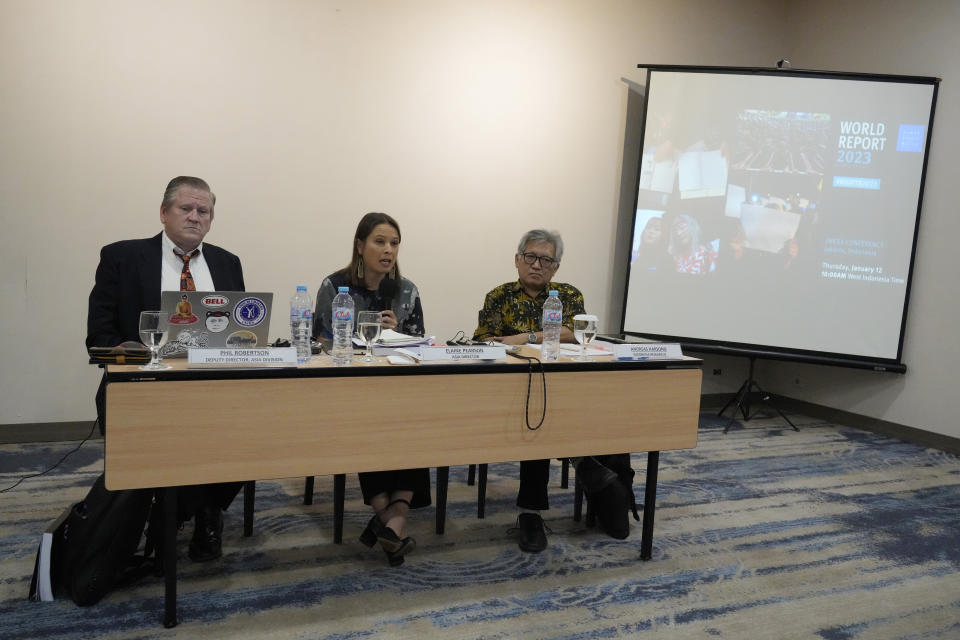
[{"x": 778, "y": 211}]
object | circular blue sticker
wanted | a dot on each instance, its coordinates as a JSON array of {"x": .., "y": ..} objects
[{"x": 250, "y": 312}]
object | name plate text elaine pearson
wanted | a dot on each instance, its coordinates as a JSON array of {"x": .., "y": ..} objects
[
  {"x": 272, "y": 357},
  {"x": 648, "y": 351},
  {"x": 440, "y": 354}
]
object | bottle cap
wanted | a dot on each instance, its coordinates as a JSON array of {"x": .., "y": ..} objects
[
  {"x": 554, "y": 292},
  {"x": 343, "y": 289},
  {"x": 301, "y": 287}
]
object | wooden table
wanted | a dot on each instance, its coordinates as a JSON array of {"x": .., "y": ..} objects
[{"x": 198, "y": 426}]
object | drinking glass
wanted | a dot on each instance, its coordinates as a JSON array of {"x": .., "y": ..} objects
[
  {"x": 368, "y": 329},
  {"x": 154, "y": 326},
  {"x": 584, "y": 330}
]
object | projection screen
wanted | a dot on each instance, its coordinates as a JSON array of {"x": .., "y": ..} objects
[{"x": 777, "y": 212}]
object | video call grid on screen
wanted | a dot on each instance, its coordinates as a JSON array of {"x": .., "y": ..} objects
[{"x": 778, "y": 209}]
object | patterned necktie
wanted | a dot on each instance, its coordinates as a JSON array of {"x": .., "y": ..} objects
[{"x": 186, "y": 278}]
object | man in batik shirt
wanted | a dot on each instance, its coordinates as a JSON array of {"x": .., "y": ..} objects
[{"x": 512, "y": 314}]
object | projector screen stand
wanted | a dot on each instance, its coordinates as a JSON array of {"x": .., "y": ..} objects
[{"x": 741, "y": 401}]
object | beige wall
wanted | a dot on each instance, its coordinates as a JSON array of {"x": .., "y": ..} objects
[
  {"x": 470, "y": 122},
  {"x": 911, "y": 38}
]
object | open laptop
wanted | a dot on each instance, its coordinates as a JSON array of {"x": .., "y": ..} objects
[{"x": 215, "y": 319}]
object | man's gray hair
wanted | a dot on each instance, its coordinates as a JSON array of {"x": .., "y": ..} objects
[
  {"x": 542, "y": 235},
  {"x": 185, "y": 181}
]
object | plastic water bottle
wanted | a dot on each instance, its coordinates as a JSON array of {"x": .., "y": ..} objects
[
  {"x": 301, "y": 321},
  {"x": 552, "y": 322},
  {"x": 342, "y": 323}
]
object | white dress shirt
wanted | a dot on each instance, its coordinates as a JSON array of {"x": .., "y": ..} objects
[{"x": 172, "y": 266}]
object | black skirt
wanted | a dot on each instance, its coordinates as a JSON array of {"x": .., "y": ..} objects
[{"x": 374, "y": 483}]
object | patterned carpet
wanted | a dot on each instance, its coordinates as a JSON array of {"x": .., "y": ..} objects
[{"x": 829, "y": 533}]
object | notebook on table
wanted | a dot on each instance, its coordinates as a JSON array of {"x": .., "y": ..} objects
[{"x": 214, "y": 320}]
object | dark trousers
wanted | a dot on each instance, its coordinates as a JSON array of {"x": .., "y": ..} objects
[
  {"x": 535, "y": 475},
  {"x": 193, "y": 498}
]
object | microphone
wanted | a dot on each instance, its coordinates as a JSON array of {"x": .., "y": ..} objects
[{"x": 388, "y": 290}]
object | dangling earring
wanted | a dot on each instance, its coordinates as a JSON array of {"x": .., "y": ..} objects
[
  {"x": 393, "y": 272},
  {"x": 360, "y": 268}
]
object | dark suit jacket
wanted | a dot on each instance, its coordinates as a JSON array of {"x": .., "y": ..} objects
[{"x": 128, "y": 282}]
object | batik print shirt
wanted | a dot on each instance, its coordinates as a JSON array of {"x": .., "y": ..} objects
[{"x": 509, "y": 310}]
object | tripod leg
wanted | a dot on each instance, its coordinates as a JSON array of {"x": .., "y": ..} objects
[
  {"x": 744, "y": 389},
  {"x": 777, "y": 409},
  {"x": 782, "y": 415},
  {"x": 765, "y": 398},
  {"x": 733, "y": 398}
]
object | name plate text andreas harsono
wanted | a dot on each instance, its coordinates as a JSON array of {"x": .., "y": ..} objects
[{"x": 648, "y": 351}]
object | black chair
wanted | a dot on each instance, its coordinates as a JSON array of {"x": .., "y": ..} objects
[{"x": 249, "y": 488}]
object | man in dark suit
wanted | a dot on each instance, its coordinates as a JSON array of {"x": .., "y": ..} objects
[{"x": 129, "y": 279}]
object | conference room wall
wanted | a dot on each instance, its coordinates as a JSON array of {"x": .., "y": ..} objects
[
  {"x": 470, "y": 122},
  {"x": 898, "y": 37}
]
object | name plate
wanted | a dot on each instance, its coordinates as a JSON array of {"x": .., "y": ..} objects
[
  {"x": 272, "y": 357},
  {"x": 648, "y": 351},
  {"x": 441, "y": 354}
]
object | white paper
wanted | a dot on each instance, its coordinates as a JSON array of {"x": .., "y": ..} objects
[
  {"x": 657, "y": 176},
  {"x": 703, "y": 174},
  {"x": 767, "y": 229},
  {"x": 391, "y": 338},
  {"x": 736, "y": 196},
  {"x": 569, "y": 349}
]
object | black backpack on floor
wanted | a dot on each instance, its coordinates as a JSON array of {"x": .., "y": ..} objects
[{"x": 96, "y": 549}]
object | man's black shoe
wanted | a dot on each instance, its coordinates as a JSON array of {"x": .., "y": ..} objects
[
  {"x": 206, "y": 542},
  {"x": 611, "y": 505},
  {"x": 533, "y": 537}
]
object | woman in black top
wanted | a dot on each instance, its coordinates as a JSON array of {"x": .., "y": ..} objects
[{"x": 373, "y": 277}]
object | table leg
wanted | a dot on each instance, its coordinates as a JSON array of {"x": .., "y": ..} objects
[
  {"x": 170, "y": 557},
  {"x": 308, "y": 490},
  {"x": 339, "y": 495},
  {"x": 249, "y": 491},
  {"x": 649, "y": 505},
  {"x": 482, "y": 491},
  {"x": 443, "y": 478}
]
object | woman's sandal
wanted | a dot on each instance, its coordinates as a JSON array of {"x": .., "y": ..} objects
[
  {"x": 373, "y": 531},
  {"x": 395, "y": 558},
  {"x": 392, "y": 544}
]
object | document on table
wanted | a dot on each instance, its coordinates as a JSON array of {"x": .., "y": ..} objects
[
  {"x": 574, "y": 350},
  {"x": 391, "y": 338}
]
